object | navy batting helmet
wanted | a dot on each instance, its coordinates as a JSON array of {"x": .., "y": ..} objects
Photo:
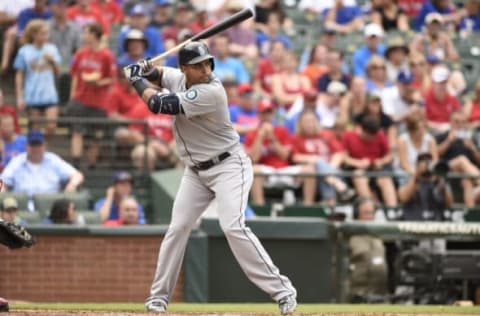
[{"x": 194, "y": 53}]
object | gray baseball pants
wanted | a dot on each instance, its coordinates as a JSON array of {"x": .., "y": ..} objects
[{"x": 229, "y": 182}]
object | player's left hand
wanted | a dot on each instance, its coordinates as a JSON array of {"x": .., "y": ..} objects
[{"x": 133, "y": 72}]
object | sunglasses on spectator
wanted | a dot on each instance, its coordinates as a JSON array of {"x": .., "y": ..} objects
[{"x": 420, "y": 63}]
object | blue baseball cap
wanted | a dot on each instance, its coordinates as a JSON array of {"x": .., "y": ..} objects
[
  {"x": 138, "y": 10},
  {"x": 122, "y": 176},
  {"x": 405, "y": 77},
  {"x": 162, "y": 3},
  {"x": 35, "y": 137}
]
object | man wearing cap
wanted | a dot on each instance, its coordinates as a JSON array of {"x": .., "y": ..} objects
[
  {"x": 9, "y": 211},
  {"x": 439, "y": 103},
  {"x": 108, "y": 207},
  {"x": 444, "y": 8},
  {"x": 401, "y": 99},
  {"x": 135, "y": 47},
  {"x": 335, "y": 72},
  {"x": 435, "y": 41},
  {"x": 373, "y": 35},
  {"x": 225, "y": 64},
  {"x": 244, "y": 115},
  {"x": 162, "y": 14},
  {"x": 139, "y": 20},
  {"x": 328, "y": 107},
  {"x": 270, "y": 148},
  {"x": 396, "y": 58},
  {"x": 40, "y": 171}
]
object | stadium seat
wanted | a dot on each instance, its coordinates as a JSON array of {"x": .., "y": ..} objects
[
  {"x": 43, "y": 202},
  {"x": 90, "y": 217},
  {"x": 30, "y": 217},
  {"x": 22, "y": 199},
  {"x": 305, "y": 211}
]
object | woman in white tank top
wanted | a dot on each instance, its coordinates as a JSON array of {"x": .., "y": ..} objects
[{"x": 414, "y": 141}]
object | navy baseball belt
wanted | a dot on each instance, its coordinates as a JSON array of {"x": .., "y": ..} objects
[{"x": 204, "y": 165}]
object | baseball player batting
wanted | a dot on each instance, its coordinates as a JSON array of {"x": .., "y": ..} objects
[{"x": 216, "y": 167}]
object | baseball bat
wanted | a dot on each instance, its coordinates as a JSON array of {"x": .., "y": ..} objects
[{"x": 208, "y": 32}]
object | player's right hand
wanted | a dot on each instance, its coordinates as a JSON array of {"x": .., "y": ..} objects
[{"x": 145, "y": 67}]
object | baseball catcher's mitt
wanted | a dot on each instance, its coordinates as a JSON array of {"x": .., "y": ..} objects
[{"x": 14, "y": 236}]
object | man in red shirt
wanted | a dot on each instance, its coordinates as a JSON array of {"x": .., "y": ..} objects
[
  {"x": 270, "y": 149},
  {"x": 128, "y": 213},
  {"x": 367, "y": 149},
  {"x": 93, "y": 73},
  {"x": 126, "y": 104},
  {"x": 267, "y": 67},
  {"x": 110, "y": 9},
  {"x": 439, "y": 103},
  {"x": 84, "y": 13}
]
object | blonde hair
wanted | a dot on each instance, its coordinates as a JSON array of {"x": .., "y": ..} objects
[
  {"x": 375, "y": 60},
  {"x": 32, "y": 28},
  {"x": 298, "y": 127}
]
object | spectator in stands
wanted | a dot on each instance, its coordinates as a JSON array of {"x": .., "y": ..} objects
[
  {"x": 243, "y": 39},
  {"x": 244, "y": 115},
  {"x": 472, "y": 108},
  {"x": 267, "y": 67},
  {"x": 138, "y": 19},
  {"x": 110, "y": 9},
  {"x": 443, "y": 7},
  {"x": 93, "y": 73},
  {"x": 335, "y": 71},
  {"x": 368, "y": 279},
  {"x": 456, "y": 83},
  {"x": 63, "y": 212},
  {"x": 396, "y": 58},
  {"x": 313, "y": 145},
  {"x": 317, "y": 65},
  {"x": 377, "y": 80},
  {"x": 354, "y": 101},
  {"x": 343, "y": 19},
  {"x": 9, "y": 211},
  {"x": 401, "y": 99},
  {"x": 37, "y": 64},
  {"x": 9, "y": 11},
  {"x": 288, "y": 85},
  {"x": 367, "y": 149},
  {"x": 308, "y": 103},
  {"x": 128, "y": 213},
  {"x": 329, "y": 108},
  {"x": 67, "y": 37},
  {"x": 108, "y": 207},
  {"x": 373, "y": 35},
  {"x": 84, "y": 13},
  {"x": 426, "y": 194},
  {"x": 456, "y": 147},
  {"x": 182, "y": 20},
  {"x": 420, "y": 72},
  {"x": 328, "y": 37},
  {"x": 411, "y": 7},
  {"x": 13, "y": 143},
  {"x": 201, "y": 19},
  {"x": 435, "y": 41},
  {"x": 374, "y": 108},
  {"x": 390, "y": 16},
  {"x": 135, "y": 47},
  {"x": 162, "y": 15},
  {"x": 263, "y": 9},
  {"x": 227, "y": 66},
  {"x": 439, "y": 103},
  {"x": 270, "y": 149},
  {"x": 40, "y": 171},
  {"x": 415, "y": 141},
  {"x": 469, "y": 18},
  {"x": 271, "y": 33},
  {"x": 6, "y": 109},
  {"x": 312, "y": 8}
]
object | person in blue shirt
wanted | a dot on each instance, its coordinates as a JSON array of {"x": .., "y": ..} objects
[
  {"x": 343, "y": 19},
  {"x": 244, "y": 115},
  {"x": 135, "y": 48},
  {"x": 108, "y": 206},
  {"x": 38, "y": 11},
  {"x": 439, "y": 6},
  {"x": 373, "y": 46},
  {"x": 39, "y": 171},
  {"x": 139, "y": 20},
  {"x": 37, "y": 63},
  {"x": 271, "y": 34},
  {"x": 470, "y": 21},
  {"x": 13, "y": 144},
  {"x": 227, "y": 66}
]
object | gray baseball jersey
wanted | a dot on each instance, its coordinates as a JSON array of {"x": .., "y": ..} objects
[
  {"x": 202, "y": 133},
  {"x": 205, "y": 131}
]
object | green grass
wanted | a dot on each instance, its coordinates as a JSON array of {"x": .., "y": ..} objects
[{"x": 255, "y": 308}]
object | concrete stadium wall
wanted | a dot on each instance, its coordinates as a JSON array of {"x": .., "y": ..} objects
[{"x": 80, "y": 265}]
